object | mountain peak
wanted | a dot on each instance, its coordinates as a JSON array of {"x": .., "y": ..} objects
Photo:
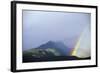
[
  {"x": 60, "y": 46},
  {"x": 50, "y": 42}
]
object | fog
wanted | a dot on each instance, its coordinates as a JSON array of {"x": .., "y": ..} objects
[{"x": 42, "y": 26}]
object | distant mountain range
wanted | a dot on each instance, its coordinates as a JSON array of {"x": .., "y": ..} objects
[{"x": 59, "y": 46}]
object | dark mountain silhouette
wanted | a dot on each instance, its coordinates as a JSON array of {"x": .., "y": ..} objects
[{"x": 59, "y": 46}]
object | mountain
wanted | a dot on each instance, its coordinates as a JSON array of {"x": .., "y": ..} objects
[
  {"x": 49, "y": 44},
  {"x": 59, "y": 46},
  {"x": 50, "y": 51},
  {"x": 66, "y": 50}
]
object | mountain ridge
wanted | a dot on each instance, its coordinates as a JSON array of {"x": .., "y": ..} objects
[{"x": 60, "y": 46}]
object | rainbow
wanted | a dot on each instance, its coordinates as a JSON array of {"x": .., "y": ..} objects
[{"x": 79, "y": 44}]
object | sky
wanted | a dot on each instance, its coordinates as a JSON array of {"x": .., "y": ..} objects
[{"x": 40, "y": 27}]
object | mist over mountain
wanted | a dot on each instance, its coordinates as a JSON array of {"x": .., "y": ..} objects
[{"x": 59, "y": 46}]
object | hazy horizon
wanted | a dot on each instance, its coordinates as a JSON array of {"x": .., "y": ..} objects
[{"x": 40, "y": 27}]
